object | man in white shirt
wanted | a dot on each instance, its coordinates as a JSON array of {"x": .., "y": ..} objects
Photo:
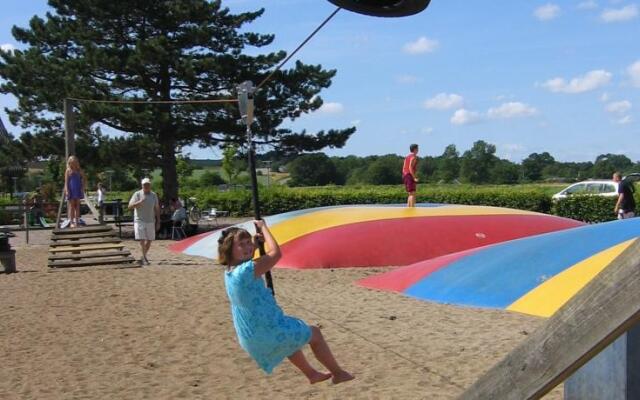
[
  {"x": 146, "y": 217},
  {"x": 102, "y": 194}
]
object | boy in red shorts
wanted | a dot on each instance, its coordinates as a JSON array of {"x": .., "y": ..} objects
[{"x": 409, "y": 174}]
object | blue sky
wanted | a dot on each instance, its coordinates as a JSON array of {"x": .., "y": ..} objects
[{"x": 527, "y": 76}]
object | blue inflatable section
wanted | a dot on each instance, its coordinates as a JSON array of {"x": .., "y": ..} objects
[{"x": 498, "y": 275}]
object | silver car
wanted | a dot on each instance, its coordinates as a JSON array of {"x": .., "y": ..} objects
[{"x": 605, "y": 188}]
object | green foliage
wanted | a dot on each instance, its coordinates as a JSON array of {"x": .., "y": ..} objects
[
  {"x": 477, "y": 163},
  {"x": 386, "y": 170},
  {"x": 161, "y": 50},
  {"x": 281, "y": 199},
  {"x": 505, "y": 172},
  {"x": 586, "y": 208},
  {"x": 232, "y": 165},
  {"x": 312, "y": 170},
  {"x": 607, "y": 164},
  {"x": 210, "y": 178}
]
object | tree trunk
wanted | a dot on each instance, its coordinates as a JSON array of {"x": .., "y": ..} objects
[{"x": 169, "y": 173}]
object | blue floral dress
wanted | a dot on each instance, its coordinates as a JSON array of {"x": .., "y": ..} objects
[{"x": 263, "y": 330}]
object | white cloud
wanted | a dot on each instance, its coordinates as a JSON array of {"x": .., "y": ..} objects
[
  {"x": 331, "y": 108},
  {"x": 464, "y": 117},
  {"x": 510, "y": 150},
  {"x": 512, "y": 109},
  {"x": 427, "y": 131},
  {"x": 444, "y": 101},
  {"x": 625, "y": 13},
  {"x": 619, "y": 107},
  {"x": 513, "y": 147},
  {"x": 355, "y": 122},
  {"x": 421, "y": 45},
  {"x": 547, "y": 12},
  {"x": 634, "y": 73},
  {"x": 604, "y": 97},
  {"x": 587, "y": 82},
  {"x": 7, "y": 47},
  {"x": 625, "y": 120},
  {"x": 407, "y": 79},
  {"x": 588, "y": 5}
]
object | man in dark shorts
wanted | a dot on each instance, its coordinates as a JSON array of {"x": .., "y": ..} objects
[
  {"x": 626, "y": 204},
  {"x": 409, "y": 177}
]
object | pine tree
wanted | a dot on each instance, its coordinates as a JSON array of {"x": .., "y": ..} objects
[{"x": 158, "y": 50}]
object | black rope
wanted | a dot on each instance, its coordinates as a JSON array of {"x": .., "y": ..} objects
[
  {"x": 206, "y": 101},
  {"x": 298, "y": 48}
]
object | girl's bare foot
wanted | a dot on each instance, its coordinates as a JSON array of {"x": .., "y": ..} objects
[
  {"x": 318, "y": 377},
  {"x": 342, "y": 376}
]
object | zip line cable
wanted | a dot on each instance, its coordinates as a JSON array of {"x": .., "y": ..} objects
[{"x": 299, "y": 47}]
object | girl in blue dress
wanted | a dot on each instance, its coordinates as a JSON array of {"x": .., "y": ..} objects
[
  {"x": 263, "y": 330},
  {"x": 74, "y": 184}
]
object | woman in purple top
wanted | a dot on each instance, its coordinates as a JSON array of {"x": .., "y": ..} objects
[{"x": 74, "y": 183}]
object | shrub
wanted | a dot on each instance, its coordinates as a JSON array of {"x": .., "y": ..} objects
[{"x": 277, "y": 200}]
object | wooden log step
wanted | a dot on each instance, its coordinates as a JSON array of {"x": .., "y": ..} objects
[
  {"x": 89, "y": 247},
  {"x": 87, "y": 263},
  {"x": 102, "y": 254},
  {"x": 82, "y": 229},
  {"x": 84, "y": 235},
  {"x": 80, "y": 242}
]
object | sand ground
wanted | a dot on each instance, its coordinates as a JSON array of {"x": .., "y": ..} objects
[{"x": 165, "y": 332}]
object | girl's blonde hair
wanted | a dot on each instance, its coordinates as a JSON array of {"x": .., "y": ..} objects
[
  {"x": 72, "y": 160},
  {"x": 225, "y": 244}
]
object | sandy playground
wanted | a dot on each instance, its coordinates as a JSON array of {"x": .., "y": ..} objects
[{"x": 165, "y": 332}]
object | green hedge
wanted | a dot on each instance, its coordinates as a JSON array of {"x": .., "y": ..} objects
[
  {"x": 586, "y": 208},
  {"x": 279, "y": 200}
]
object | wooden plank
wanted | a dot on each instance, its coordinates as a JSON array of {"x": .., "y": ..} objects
[
  {"x": 88, "y": 263},
  {"x": 105, "y": 234},
  {"x": 82, "y": 229},
  {"x": 597, "y": 315},
  {"x": 90, "y": 247},
  {"x": 87, "y": 256},
  {"x": 78, "y": 242}
]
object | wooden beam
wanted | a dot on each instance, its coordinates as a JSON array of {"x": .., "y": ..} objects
[
  {"x": 89, "y": 263},
  {"x": 597, "y": 315},
  {"x": 82, "y": 229},
  {"x": 89, "y": 247},
  {"x": 78, "y": 242},
  {"x": 87, "y": 256},
  {"x": 105, "y": 234}
]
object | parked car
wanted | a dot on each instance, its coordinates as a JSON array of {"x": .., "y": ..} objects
[{"x": 605, "y": 188}]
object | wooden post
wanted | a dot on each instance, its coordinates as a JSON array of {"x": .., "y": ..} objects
[
  {"x": 69, "y": 144},
  {"x": 69, "y": 130},
  {"x": 596, "y": 316}
]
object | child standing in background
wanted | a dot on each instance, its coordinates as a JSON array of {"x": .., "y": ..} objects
[{"x": 74, "y": 183}]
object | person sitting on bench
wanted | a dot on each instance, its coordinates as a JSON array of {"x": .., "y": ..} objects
[{"x": 179, "y": 215}]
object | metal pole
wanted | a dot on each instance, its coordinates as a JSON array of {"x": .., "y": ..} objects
[
  {"x": 245, "y": 101},
  {"x": 26, "y": 226}
]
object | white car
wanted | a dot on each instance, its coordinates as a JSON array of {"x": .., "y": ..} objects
[{"x": 605, "y": 188}]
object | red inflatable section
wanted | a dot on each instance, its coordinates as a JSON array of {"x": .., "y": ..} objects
[
  {"x": 401, "y": 278},
  {"x": 396, "y": 242},
  {"x": 184, "y": 243}
]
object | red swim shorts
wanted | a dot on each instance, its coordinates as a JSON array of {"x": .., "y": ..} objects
[{"x": 409, "y": 183}]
